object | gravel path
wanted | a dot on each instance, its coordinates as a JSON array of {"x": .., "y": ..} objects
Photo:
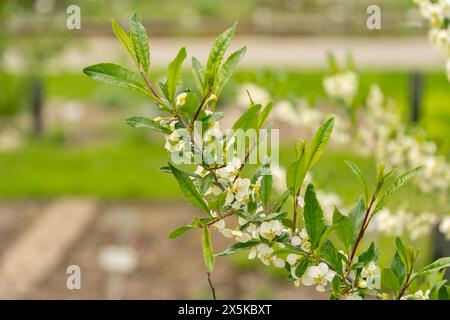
[{"x": 295, "y": 52}]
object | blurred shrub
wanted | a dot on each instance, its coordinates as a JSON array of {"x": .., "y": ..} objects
[{"x": 12, "y": 95}]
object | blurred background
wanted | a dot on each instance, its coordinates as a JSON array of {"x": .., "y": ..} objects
[{"x": 79, "y": 187}]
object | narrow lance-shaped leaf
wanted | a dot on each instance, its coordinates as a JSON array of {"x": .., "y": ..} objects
[
  {"x": 295, "y": 175},
  {"x": 398, "y": 183},
  {"x": 318, "y": 143},
  {"x": 343, "y": 228},
  {"x": 216, "y": 54},
  {"x": 173, "y": 74},
  {"x": 181, "y": 230},
  {"x": 238, "y": 247},
  {"x": 281, "y": 201},
  {"x": 188, "y": 189},
  {"x": 264, "y": 115},
  {"x": 117, "y": 75},
  {"x": 301, "y": 267},
  {"x": 199, "y": 74},
  {"x": 403, "y": 254},
  {"x": 124, "y": 39},
  {"x": 139, "y": 38},
  {"x": 140, "y": 122},
  {"x": 249, "y": 120},
  {"x": 208, "y": 253},
  {"x": 227, "y": 68},
  {"x": 313, "y": 216},
  {"x": 357, "y": 171},
  {"x": 265, "y": 190},
  {"x": 357, "y": 215},
  {"x": 389, "y": 280},
  {"x": 437, "y": 265},
  {"x": 297, "y": 170}
]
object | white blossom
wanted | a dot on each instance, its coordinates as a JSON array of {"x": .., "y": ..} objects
[
  {"x": 181, "y": 99},
  {"x": 270, "y": 229},
  {"x": 318, "y": 275}
]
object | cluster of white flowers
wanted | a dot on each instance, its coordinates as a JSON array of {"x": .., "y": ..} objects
[
  {"x": 400, "y": 149},
  {"x": 437, "y": 13},
  {"x": 343, "y": 85},
  {"x": 403, "y": 222},
  {"x": 298, "y": 113}
]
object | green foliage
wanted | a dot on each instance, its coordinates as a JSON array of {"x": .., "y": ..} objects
[
  {"x": 222, "y": 194},
  {"x": 313, "y": 216},
  {"x": 297, "y": 170},
  {"x": 140, "y": 122},
  {"x": 117, "y": 75},
  {"x": 139, "y": 39},
  {"x": 188, "y": 189},
  {"x": 238, "y": 247},
  {"x": 397, "y": 184},
  {"x": 343, "y": 227},
  {"x": 358, "y": 173},
  {"x": 208, "y": 253},
  {"x": 174, "y": 74}
]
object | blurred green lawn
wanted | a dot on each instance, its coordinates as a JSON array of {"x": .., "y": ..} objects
[
  {"x": 128, "y": 167},
  {"x": 435, "y": 113}
]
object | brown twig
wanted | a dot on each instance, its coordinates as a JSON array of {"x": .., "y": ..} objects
[
  {"x": 230, "y": 213},
  {"x": 213, "y": 290},
  {"x": 361, "y": 232},
  {"x": 200, "y": 107}
]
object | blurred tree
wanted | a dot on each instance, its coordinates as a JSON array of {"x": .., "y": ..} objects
[{"x": 34, "y": 31}]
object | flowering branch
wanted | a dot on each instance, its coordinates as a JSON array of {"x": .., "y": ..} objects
[{"x": 218, "y": 188}]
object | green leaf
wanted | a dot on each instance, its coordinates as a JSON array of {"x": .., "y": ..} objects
[
  {"x": 358, "y": 173},
  {"x": 173, "y": 74},
  {"x": 439, "y": 291},
  {"x": 281, "y": 201},
  {"x": 227, "y": 68},
  {"x": 266, "y": 189},
  {"x": 208, "y": 253},
  {"x": 336, "y": 284},
  {"x": 205, "y": 182},
  {"x": 444, "y": 293},
  {"x": 398, "y": 267},
  {"x": 356, "y": 216},
  {"x": 313, "y": 216},
  {"x": 189, "y": 108},
  {"x": 119, "y": 76},
  {"x": 297, "y": 170},
  {"x": 181, "y": 230},
  {"x": 264, "y": 115},
  {"x": 188, "y": 189},
  {"x": 139, "y": 38},
  {"x": 124, "y": 39},
  {"x": 437, "y": 265},
  {"x": 397, "y": 184},
  {"x": 369, "y": 255},
  {"x": 301, "y": 267},
  {"x": 331, "y": 255},
  {"x": 238, "y": 246},
  {"x": 139, "y": 122},
  {"x": 249, "y": 119},
  {"x": 389, "y": 281},
  {"x": 199, "y": 74},
  {"x": 343, "y": 228},
  {"x": 403, "y": 253},
  {"x": 273, "y": 216},
  {"x": 318, "y": 143},
  {"x": 295, "y": 175},
  {"x": 216, "y": 54}
]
